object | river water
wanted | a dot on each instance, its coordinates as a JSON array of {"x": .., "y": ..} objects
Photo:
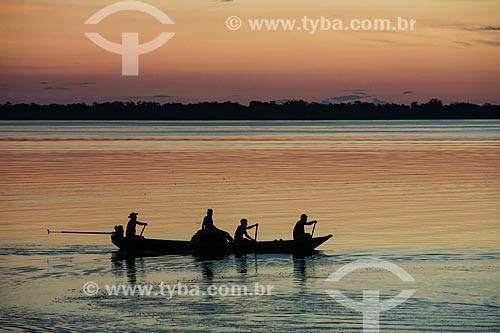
[{"x": 424, "y": 195}]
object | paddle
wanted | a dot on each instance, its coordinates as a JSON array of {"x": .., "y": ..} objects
[
  {"x": 80, "y": 232},
  {"x": 314, "y": 227},
  {"x": 255, "y": 238},
  {"x": 143, "y": 227}
]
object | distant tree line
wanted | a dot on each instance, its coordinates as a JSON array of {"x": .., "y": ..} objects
[{"x": 291, "y": 110}]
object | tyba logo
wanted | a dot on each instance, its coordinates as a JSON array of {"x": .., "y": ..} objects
[
  {"x": 130, "y": 49},
  {"x": 371, "y": 306}
]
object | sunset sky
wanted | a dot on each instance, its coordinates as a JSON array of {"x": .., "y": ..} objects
[{"x": 453, "y": 54}]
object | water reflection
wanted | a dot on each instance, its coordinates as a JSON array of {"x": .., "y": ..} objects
[
  {"x": 207, "y": 269},
  {"x": 132, "y": 265},
  {"x": 210, "y": 267},
  {"x": 242, "y": 265},
  {"x": 299, "y": 269}
]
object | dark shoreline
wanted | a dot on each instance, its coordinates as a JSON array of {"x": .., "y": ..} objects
[{"x": 293, "y": 110}]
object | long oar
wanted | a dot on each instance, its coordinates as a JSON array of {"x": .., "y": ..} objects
[
  {"x": 80, "y": 232},
  {"x": 143, "y": 227},
  {"x": 255, "y": 244},
  {"x": 314, "y": 227}
]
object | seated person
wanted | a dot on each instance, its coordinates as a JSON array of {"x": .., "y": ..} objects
[
  {"x": 241, "y": 232},
  {"x": 208, "y": 221},
  {"x": 299, "y": 233},
  {"x": 209, "y": 232},
  {"x": 130, "y": 233}
]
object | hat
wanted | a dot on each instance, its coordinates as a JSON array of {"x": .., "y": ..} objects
[{"x": 133, "y": 214}]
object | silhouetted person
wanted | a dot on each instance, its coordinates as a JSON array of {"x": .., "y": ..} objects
[
  {"x": 210, "y": 230},
  {"x": 208, "y": 222},
  {"x": 130, "y": 233},
  {"x": 241, "y": 232},
  {"x": 299, "y": 233}
]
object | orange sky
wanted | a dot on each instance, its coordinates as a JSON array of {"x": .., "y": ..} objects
[{"x": 454, "y": 53}]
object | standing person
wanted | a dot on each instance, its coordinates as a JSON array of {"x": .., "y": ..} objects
[
  {"x": 130, "y": 233},
  {"x": 299, "y": 233},
  {"x": 241, "y": 232}
]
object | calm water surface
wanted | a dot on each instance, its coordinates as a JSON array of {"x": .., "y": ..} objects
[{"x": 422, "y": 194}]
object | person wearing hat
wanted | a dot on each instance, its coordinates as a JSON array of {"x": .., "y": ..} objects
[
  {"x": 299, "y": 233},
  {"x": 130, "y": 233}
]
